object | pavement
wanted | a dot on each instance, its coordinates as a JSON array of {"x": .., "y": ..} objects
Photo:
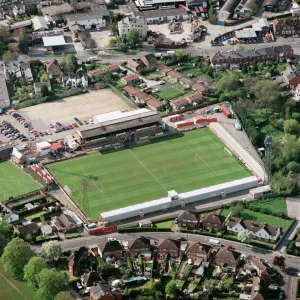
[{"x": 292, "y": 263}]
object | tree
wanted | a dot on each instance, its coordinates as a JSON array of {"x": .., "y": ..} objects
[
  {"x": 284, "y": 185},
  {"x": 8, "y": 56},
  {"x": 244, "y": 69},
  {"x": 112, "y": 43},
  {"x": 113, "y": 28},
  {"x": 5, "y": 228},
  {"x": 44, "y": 77},
  {"x": 63, "y": 296},
  {"x": 245, "y": 236},
  {"x": 239, "y": 47},
  {"x": 227, "y": 283},
  {"x": 24, "y": 44},
  {"x": 279, "y": 261},
  {"x": 172, "y": 289},
  {"x": 180, "y": 54},
  {"x": 51, "y": 249},
  {"x": 133, "y": 37},
  {"x": 237, "y": 209},
  {"x": 50, "y": 283},
  {"x": 291, "y": 127},
  {"x": 32, "y": 269},
  {"x": 44, "y": 90},
  {"x": 16, "y": 255}
]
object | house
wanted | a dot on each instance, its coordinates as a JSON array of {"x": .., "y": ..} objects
[
  {"x": 197, "y": 250},
  {"x": 195, "y": 98},
  {"x": 26, "y": 231},
  {"x": 139, "y": 245},
  {"x": 136, "y": 65},
  {"x": 199, "y": 87},
  {"x": 297, "y": 244},
  {"x": 88, "y": 21},
  {"x": 113, "y": 68},
  {"x": 187, "y": 219},
  {"x": 266, "y": 233},
  {"x": 110, "y": 248},
  {"x": 149, "y": 61},
  {"x": 256, "y": 290},
  {"x": 77, "y": 260},
  {"x": 89, "y": 279},
  {"x": 259, "y": 266},
  {"x": 97, "y": 72},
  {"x": 179, "y": 104},
  {"x": 169, "y": 247},
  {"x": 38, "y": 87},
  {"x": 128, "y": 23},
  {"x": 214, "y": 222},
  {"x": 53, "y": 68},
  {"x": 141, "y": 98},
  {"x": 129, "y": 79},
  {"x": 174, "y": 75},
  {"x": 12, "y": 217},
  {"x": 78, "y": 79},
  {"x": 289, "y": 27},
  {"x": 46, "y": 229},
  {"x": 101, "y": 292},
  {"x": 66, "y": 223},
  {"x": 226, "y": 258},
  {"x": 155, "y": 104},
  {"x": 274, "y": 53},
  {"x": 163, "y": 69},
  {"x": 18, "y": 157},
  {"x": 291, "y": 77},
  {"x": 18, "y": 70},
  {"x": 145, "y": 63},
  {"x": 130, "y": 90},
  {"x": 186, "y": 82}
]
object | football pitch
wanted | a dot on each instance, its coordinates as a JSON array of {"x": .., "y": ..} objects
[
  {"x": 132, "y": 176},
  {"x": 13, "y": 182}
]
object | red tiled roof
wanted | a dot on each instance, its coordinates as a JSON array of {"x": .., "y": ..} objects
[
  {"x": 169, "y": 244},
  {"x": 112, "y": 68},
  {"x": 142, "y": 96},
  {"x": 163, "y": 68},
  {"x": 179, "y": 102},
  {"x": 214, "y": 219},
  {"x": 154, "y": 103},
  {"x": 130, "y": 77},
  {"x": 198, "y": 248},
  {"x": 175, "y": 74},
  {"x": 199, "y": 87},
  {"x": 195, "y": 97},
  {"x": 97, "y": 72},
  {"x": 130, "y": 90}
]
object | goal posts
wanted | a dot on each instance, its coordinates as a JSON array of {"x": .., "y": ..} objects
[{"x": 228, "y": 151}]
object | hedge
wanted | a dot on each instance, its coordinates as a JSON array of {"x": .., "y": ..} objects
[
  {"x": 140, "y": 229},
  {"x": 202, "y": 232}
]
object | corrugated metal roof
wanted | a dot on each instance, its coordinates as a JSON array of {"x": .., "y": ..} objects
[
  {"x": 116, "y": 121},
  {"x": 39, "y": 23}
]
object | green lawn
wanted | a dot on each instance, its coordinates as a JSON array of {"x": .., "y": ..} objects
[
  {"x": 261, "y": 218},
  {"x": 194, "y": 71},
  {"x": 13, "y": 182},
  {"x": 127, "y": 177},
  {"x": 275, "y": 204},
  {"x": 170, "y": 93},
  {"x": 164, "y": 224},
  {"x": 12, "y": 289}
]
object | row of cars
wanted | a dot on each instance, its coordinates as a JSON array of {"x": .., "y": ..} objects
[
  {"x": 18, "y": 117},
  {"x": 11, "y": 132}
]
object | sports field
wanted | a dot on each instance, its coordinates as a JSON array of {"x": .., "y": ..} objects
[
  {"x": 144, "y": 173},
  {"x": 13, "y": 182}
]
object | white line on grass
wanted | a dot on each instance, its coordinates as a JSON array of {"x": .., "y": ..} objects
[
  {"x": 99, "y": 189},
  {"x": 130, "y": 151},
  {"x": 203, "y": 160}
]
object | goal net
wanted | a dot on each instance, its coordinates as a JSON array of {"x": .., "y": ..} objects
[
  {"x": 68, "y": 190},
  {"x": 228, "y": 151}
]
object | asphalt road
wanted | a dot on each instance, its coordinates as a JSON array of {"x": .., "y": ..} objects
[{"x": 292, "y": 263}]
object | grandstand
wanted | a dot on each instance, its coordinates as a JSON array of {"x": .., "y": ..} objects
[{"x": 119, "y": 127}]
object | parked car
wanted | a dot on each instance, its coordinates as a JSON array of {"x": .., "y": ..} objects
[
  {"x": 176, "y": 220},
  {"x": 230, "y": 247}
]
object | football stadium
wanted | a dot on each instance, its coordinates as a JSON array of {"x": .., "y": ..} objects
[{"x": 125, "y": 183}]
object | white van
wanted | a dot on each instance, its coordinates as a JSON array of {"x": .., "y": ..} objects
[
  {"x": 93, "y": 58},
  {"x": 214, "y": 242}
]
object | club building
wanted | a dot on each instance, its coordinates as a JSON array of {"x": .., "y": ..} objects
[{"x": 115, "y": 128}]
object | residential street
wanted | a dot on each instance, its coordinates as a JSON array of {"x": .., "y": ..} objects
[{"x": 292, "y": 263}]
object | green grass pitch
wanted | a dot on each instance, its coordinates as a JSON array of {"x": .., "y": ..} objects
[
  {"x": 145, "y": 173},
  {"x": 13, "y": 182}
]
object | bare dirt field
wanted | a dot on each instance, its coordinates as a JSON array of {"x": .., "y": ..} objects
[{"x": 84, "y": 107}]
